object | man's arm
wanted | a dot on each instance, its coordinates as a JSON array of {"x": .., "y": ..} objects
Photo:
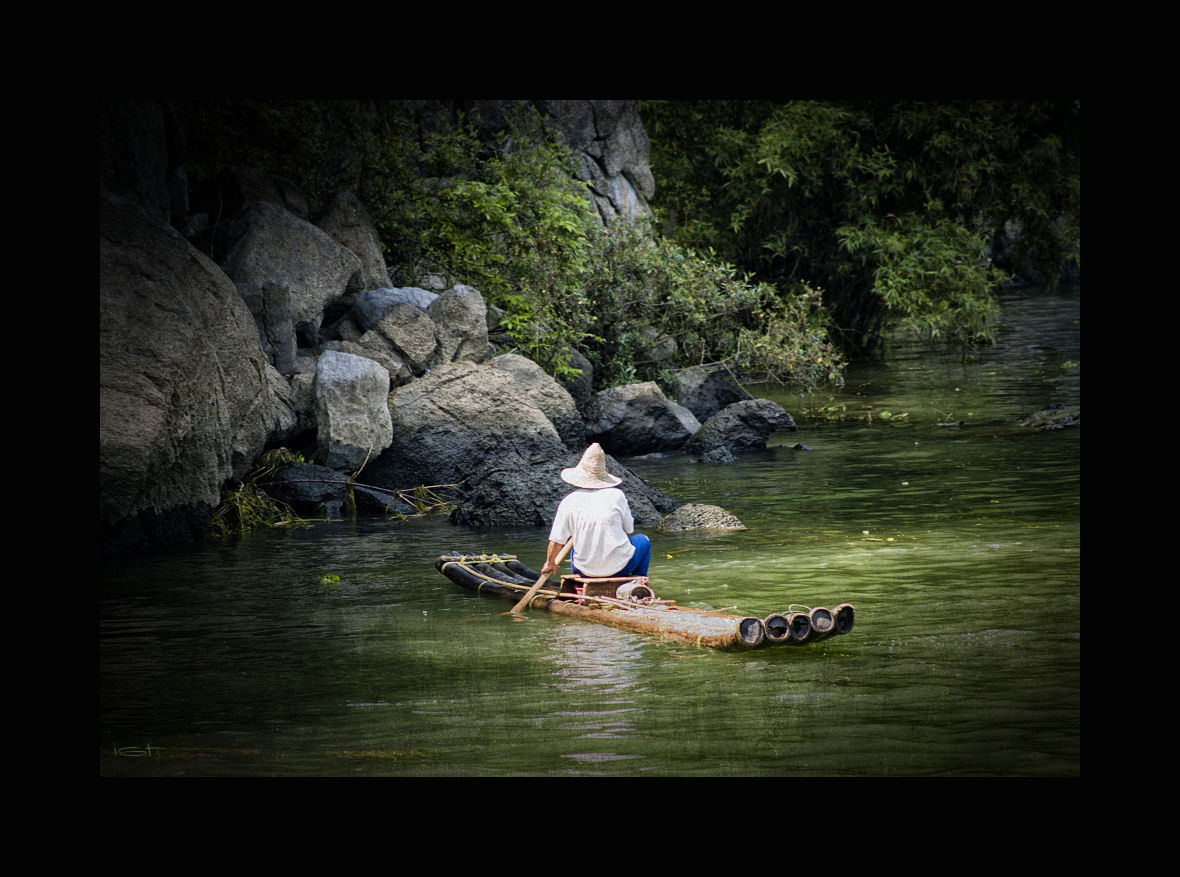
[{"x": 550, "y": 566}]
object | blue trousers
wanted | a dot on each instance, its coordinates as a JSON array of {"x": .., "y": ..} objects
[{"x": 639, "y": 562}]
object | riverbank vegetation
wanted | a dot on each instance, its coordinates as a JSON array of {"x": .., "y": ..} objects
[
  {"x": 903, "y": 211},
  {"x": 787, "y": 235}
]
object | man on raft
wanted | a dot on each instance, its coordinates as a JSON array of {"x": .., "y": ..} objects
[{"x": 598, "y": 518}]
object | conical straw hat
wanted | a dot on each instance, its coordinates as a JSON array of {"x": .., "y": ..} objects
[{"x": 590, "y": 471}]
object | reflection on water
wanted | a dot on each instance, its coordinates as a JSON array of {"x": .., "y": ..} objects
[
  {"x": 595, "y": 667},
  {"x": 959, "y": 546}
]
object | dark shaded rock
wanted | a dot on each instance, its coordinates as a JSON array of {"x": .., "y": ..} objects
[
  {"x": 1055, "y": 416},
  {"x": 703, "y": 392},
  {"x": 349, "y": 223},
  {"x": 548, "y": 395},
  {"x": 742, "y": 426},
  {"x": 246, "y": 186},
  {"x": 637, "y": 419},
  {"x": 506, "y": 497},
  {"x": 186, "y": 401},
  {"x": 580, "y": 388},
  {"x": 310, "y": 489},
  {"x": 305, "y": 487},
  {"x": 380, "y": 502}
]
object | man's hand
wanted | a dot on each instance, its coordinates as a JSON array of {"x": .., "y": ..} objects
[{"x": 552, "y": 550}]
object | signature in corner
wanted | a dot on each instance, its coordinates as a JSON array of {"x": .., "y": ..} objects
[{"x": 138, "y": 751}]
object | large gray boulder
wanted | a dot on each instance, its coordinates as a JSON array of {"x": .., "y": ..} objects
[
  {"x": 352, "y": 410},
  {"x": 458, "y": 420},
  {"x": 406, "y": 334},
  {"x": 271, "y": 305},
  {"x": 186, "y": 395},
  {"x": 742, "y": 426},
  {"x": 548, "y": 395},
  {"x": 373, "y": 304},
  {"x": 637, "y": 419},
  {"x": 702, "y": 391},
  {"x": 349, "y": 224},
  {"x": 461, "y": 320},
  {"x": 275, "y": 246},
  {"x": 474, "y": 426}
]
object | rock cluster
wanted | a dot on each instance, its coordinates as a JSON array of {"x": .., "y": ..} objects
[{"x": 295, "y": 337}]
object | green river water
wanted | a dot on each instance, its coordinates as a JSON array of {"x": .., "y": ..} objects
[{"x": 959, "y": 546}]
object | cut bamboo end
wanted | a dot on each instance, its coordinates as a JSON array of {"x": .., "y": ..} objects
[
  {"x": 635, "y": 592},
  {"x": 800, "y": 625},
  {"x": 751, "y": 631},
  {"x": 823, "y": 624},
  {"x": 845, "y": 616},
  {"x": 778, "y": 629}
]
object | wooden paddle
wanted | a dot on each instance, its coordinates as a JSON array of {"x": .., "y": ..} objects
[{"x": 517, "y": 610}]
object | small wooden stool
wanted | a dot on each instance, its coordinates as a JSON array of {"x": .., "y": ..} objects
[{"x": 627, "y": 588}]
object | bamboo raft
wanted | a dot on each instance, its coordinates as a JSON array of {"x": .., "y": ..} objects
[{"x": 630, "y": 604}]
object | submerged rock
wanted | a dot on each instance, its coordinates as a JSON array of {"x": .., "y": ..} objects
[
  {"x": 1055, "y": 416},
  {"x": 697, "y": 516}
]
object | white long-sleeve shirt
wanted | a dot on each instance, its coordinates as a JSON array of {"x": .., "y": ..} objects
[{"x": 599, "y": 520}]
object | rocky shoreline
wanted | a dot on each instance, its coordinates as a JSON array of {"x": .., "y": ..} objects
[
  {"x": 406, "y": 391},
  {"x": 296, "y": 338}
]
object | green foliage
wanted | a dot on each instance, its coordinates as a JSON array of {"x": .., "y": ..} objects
[
  {"x": 520, "y": 231},
  {"x": 664, "y": 306},
  {"x": 889, "y": 206},
  {"x": 929, "y": 275},
  {"x": 791, "y": 343},
  {"x": 508, "y": 215}
]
